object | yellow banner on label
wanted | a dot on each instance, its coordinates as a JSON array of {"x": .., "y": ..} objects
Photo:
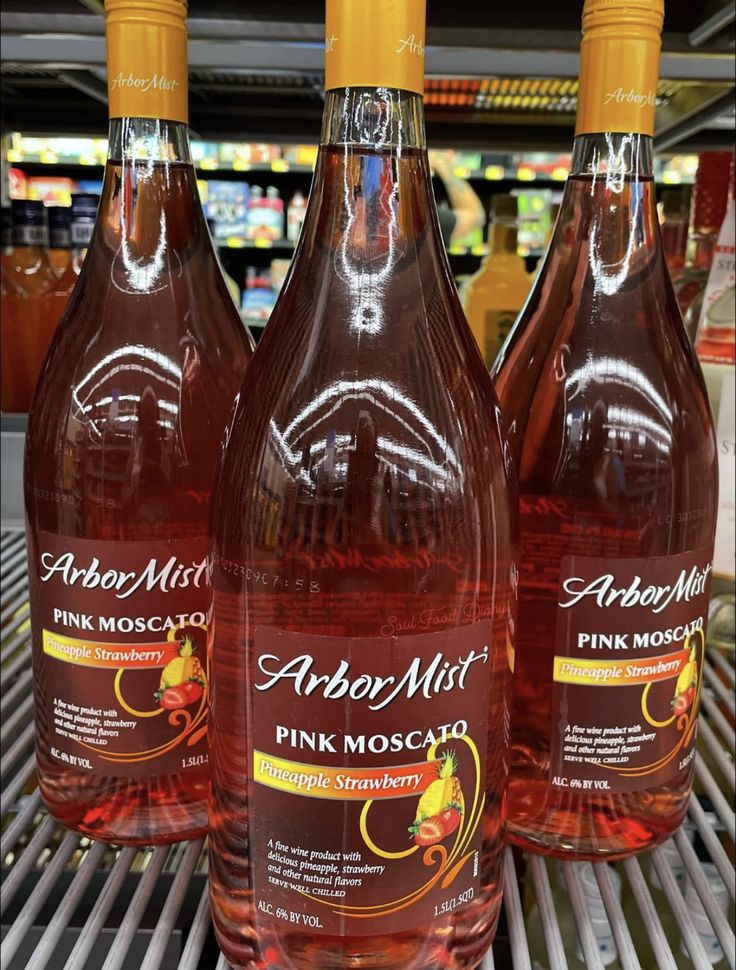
[
  {"x": 348, "y": 784},
  {"x": 84, "y": 653},
  {"x": 617, "y": 673}
]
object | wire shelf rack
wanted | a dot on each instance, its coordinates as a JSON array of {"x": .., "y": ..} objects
[{"x": 69, "y": 903}]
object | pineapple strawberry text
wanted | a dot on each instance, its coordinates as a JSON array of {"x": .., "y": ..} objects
[
  {"x": 688, "y": 585},
  {"x": 171, "y": 575},
  {"x": 439, "y": 676},
  {"x": 159, "y": 82}
]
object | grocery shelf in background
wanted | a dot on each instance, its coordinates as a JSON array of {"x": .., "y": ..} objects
[
  {"x": 69, "y": 903},
  {"x": 499, "y": 75}
]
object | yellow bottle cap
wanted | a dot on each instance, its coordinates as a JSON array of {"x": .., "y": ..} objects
[
  {"x": 375, "y": 43},
  {"x": 619, "y": 66},
  {"x": 147, "y": 59}
]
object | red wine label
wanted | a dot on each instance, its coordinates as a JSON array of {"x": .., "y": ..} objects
[
  {"x": 627, "y": 670},
  {"x": 120, "y": 641},
  {"x": 368, "y": 777}
]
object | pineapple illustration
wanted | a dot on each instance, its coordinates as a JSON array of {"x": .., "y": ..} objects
[
  {"x": 183, "y": 668},
  {"x": 444, "y": 790},
  {"x": 686, "y": 686},
  {"x": 441, "y": 805}
]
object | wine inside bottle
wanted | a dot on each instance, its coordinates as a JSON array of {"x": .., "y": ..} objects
[
  {"x": 122, "y": 441},
  {"x": 613, "y": 440},
  {"x": 362, "y": 568}
]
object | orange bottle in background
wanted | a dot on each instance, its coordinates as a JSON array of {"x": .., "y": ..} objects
[
  {"x": 60, "y": 237},
  {"x": 83, "y": 215},
  {"x": 28, "y": 278}
]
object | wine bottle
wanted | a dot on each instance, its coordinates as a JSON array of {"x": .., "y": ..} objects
[
  {"x": 613, "y": 440},
  {"x": 362, "y": 568},
  {"x": 122, "y": 441}
]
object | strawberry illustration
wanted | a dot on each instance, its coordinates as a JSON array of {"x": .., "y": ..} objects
[
  {"x": 427, "y": 832},
  {"x": 450, "y": 818}
]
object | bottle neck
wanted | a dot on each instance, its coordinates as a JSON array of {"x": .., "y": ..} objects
[
  {"x": 139, "y": 140},
  {"x": 503, "y": 238},
  {"x": 613, "y": 156},
  {"x": 377, "y": 118}
]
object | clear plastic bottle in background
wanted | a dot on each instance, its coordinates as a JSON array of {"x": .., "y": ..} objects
[
  {"x": 60, "y": 237},
  {"x": 702, "y": 923},
  {"x": 363, "y": 539},
  {"x": 611, "y": 432},
  {"x": 123, "y": 436},
  {"x": 675, "y": 220},
  {"x": 28, "y": 279},
  {"x": 632, "y": 913},
  {"x": 295, "y": 216},
  {"x": 715, "y": 345},
  {"x": 607, "y": 949},
  {"x": 493, "y": 297},
  {"x": 713, "y": 182},
  {"x": 275, "y": 205},
  {"x": 231, "y": 284}
]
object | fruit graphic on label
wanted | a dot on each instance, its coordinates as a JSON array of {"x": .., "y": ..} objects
[
  {"x": 686, "y": 686},
  {"x": 429, "y": 832},
  {"x": 182, "y": 680},
  {"x": 441, "y": 805}
]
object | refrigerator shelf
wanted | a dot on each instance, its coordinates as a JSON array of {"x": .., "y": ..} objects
[{"x": 70, "y": 903}]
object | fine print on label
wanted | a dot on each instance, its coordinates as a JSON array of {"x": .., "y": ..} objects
[
  {"x": 395, "y": 773},
  {"x": 628, "y": 669},
  {"x": 122, "y": 631}
]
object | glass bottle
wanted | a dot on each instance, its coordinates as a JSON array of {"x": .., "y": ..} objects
[
  {"x": 362, "y": 568},
  {"x": 493, "y": 297},
  {"x": 60, "y": 237},
  {"x": 122, "y": 440},
  {"x": 613, "y": 440},
  {"x": 713, "y": 181},
  {"x": 28, "y": 278},
  {"x": 83, "y": 217}
]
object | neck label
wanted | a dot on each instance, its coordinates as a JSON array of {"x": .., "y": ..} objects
[
  {"x": 147, "y": 67},
  {"x": 618, "y": 81},
  {"x": 377, "y": 44}
]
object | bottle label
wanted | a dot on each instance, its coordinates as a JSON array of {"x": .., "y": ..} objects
[
  {"x": 383, "y": 740},
  {"x": 81, "y": 234},
  {"x": 498, "y": 326},
  {"x": 120, "y": 646},
  {"x": 60, "y": 238},
  {"x": 30, "y": 235},
  {"x": 377, "y": 44},
  {"x": 147, "y": 63},
  {"x": 627, "y": 670}
]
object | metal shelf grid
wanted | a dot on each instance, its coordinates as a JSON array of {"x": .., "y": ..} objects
[{"x": 69, "y": 903}]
